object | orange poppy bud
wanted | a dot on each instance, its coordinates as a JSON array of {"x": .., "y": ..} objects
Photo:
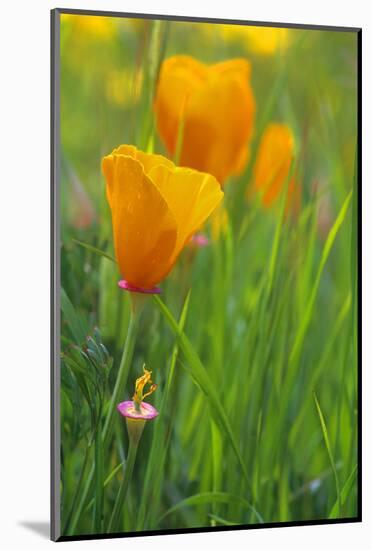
[
  {"x": 273, "y": 163},
  {"x": 156, "y": 208},
  {"x": 206, "y": 112}
]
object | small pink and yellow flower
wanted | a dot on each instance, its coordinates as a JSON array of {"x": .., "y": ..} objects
[{"x": 137, "y": 409}]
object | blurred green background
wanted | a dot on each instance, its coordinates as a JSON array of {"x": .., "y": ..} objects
[{"x": 272, "y": 310}]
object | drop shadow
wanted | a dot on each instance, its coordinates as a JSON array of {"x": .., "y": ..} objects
[{"x": 42, "y": 528}]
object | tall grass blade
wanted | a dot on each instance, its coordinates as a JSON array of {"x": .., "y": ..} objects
[
  {"x": 200, "y": 375},
  {"x": 157, "y": 453},
  {"x": 329, "y": 451},
  {"x": 304, "y": 324},
  {"x": 95, "y": 250},
  {"x": 335, "y": 510},
  {"x": 210, "y": 498},
  {"x": 78, "y": 328}
]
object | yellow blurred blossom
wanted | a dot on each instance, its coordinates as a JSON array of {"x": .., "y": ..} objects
[
  {"x": 123, "y": 87},
  {"x": 261, "y": 40},
  {"x": 99, "y": 27}
]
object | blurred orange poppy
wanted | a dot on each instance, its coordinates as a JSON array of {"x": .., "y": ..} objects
[
  {"x": 275, "y": 155},
  {"x": 156, "y": 208},
  {"x": 206, "y": 112}
]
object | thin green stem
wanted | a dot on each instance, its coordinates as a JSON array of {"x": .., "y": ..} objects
[
  {"x": 122, "y": 374},
  {"x": 114, "y": 524},
  {"x": 158, "y": 448},
  {"x": 118, "y": 391},
  {"x": 99, "y": 487},
  {"x": 78, "y": 489}
]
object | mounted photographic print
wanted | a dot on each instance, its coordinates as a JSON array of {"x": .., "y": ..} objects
[{"x": 205, "y": 237}]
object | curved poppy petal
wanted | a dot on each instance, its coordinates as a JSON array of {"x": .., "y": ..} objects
[
  {"x": 239, "y": 67},
  {"x": 147, "y": 160},
  {"x": 191, "y": 197},
  {"x": 144, "y": 228},
  {"x": 156, "y": 208}
]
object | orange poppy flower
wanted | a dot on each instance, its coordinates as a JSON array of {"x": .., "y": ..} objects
[
  {"x": 273, "y": 163},
  {"x": 207, "y": 111},
  {"x": 156, "y": 208}
]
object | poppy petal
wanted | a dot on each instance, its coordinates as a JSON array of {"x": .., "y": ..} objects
[
  {"x": 191, "y": 197},
  {"x": 144, "y": 228}
]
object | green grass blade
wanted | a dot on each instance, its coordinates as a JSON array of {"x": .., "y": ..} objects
[
  {"x": 110, "y": 419},
  {"x": 296, "y": 349},
  {"x": 354, "y": 255},
  {"x": 329, "y": 451},
  {"x": 99, "y": 492},
  {"x": 95, "y": 250},
  {"x": 115, "y": 523},
  {"x": 158, "y": 451},
  {"x": 79, "y": 330},
  {"x": 332, "y": 339},
  {"x": 108, "y": 479},
  {"x": 335, "y": 510},
  {"x": 278, "y": 231},
  {"x": 200, "y": 375},
  {"x": 210, "y": 498},
  {"x": 221, "y": 521}
]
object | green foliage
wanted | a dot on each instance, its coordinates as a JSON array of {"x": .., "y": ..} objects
[{"x": 246, "y": 328}]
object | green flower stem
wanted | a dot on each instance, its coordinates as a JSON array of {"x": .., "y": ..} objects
[
  {"x": 127, "y": 355},
  {"x": 155, "y": 53},
  {"x": 98, "y": 510},
  {"x": 71, "y": 514},
  {"x": 114, "y": 524},
  {"x": 122, "y": 374}
]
